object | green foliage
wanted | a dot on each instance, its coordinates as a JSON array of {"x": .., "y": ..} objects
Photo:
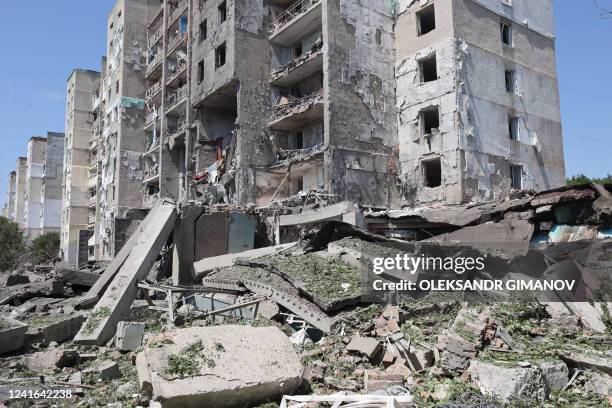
[
  {"x": 11, "y": 244},
  {"x": 581, "y": 179},
  {"x": 46, "y": 247}
]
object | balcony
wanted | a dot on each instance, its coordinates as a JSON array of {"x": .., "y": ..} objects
[
  {"x": 297, "y": 112},
  {"x": 152, "y": 117},
  {"x": 154, "y": 65},
  {"x": 299, "y": 20},
  {"x": 298, "y": 69},
  {"x": 175, "y": 41},
  {"x": 155, "y": 37},
  {"x": 156, "y": 17},
  {"x": 177, "y": 72},
  {"x": 93, "y": 201},
  {"x": 153, "y": 91},
  {"x": 175, "y": 12},
  {"x": 176, "y": 99}
]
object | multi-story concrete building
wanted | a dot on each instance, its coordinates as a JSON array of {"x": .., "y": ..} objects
[
  {"x": 52, "y": 183},
  {"x": 33, "y": 211},
  {"x": 168, "y": 101},
  {"x": 477, "y": 99},
  {"x": 122, "y": 146},
  {"x": 11, "y": 195},
  {"x": 21, "y": 171},
  {"x": 75, "y": 187}
]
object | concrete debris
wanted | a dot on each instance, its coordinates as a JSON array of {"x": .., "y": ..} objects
[
  {"x": 12, "y": 335},
  {"x": 129, "y": 335},
  {"x": 224, "y": 366},
  {"x": 51, "y": 359},
  {"x": 508, "y": 383},
  {"x": 366, "y": 346}
]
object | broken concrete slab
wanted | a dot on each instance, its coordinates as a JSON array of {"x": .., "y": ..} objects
[
  {"x": 598, "y": 383},
  {"x": 507, "y": 383},
  {"x": 44, "y": 329},
  {"x": 50, "y": 359},
  {"x": 457, "y": 352},
  {"x": 207, "y": 265},
  {"x": 367, "y": 346},
  {"x": 12, "y": 335},
  {"x": 115, "y": 302},
  {"x": 78, "y": 277},
  {"x": 580, "y": 360},
  {"x": 219, "y": 366},
  {"x": 108, "y": 370},
  {"x": 51, "y": 287},
  {"x": 129, "y": 335},
  {"x": 111, "y": 270},
  {"x": 375, "y": 380},
  {"x": 556, "y": 374}
]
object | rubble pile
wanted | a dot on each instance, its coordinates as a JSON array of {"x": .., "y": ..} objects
[{"x": 296, "y": 324}]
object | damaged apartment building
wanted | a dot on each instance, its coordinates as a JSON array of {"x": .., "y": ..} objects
[
  {"x": 384, "y": 105},
  {"x": 267, "y": 105}
]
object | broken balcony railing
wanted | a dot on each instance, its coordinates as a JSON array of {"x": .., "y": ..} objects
[
  {"x": 176, "y": 97},
  {"x": 176, "y": 10},
  {"x": 154, "y": 38},
  {"x": 294, "y": 11},
  {"x": 296, "y": 104},
  {"x": 176, "y": 71},
  {"x": 153, "y": 90},
  {"x": 173, "y": 41},
  {"x": 157, "y": 59},
  {"x": 313, "y": 53},
  {"x": 151, "y": 117},
  {"x": 285, "y": 155}
]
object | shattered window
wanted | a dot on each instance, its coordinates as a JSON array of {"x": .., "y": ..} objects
[
  {"x": 426, "y": 20},
  {"x": 220, "y": 56},
  {"x": 516, "y": 177},
  {"x": 222, "y": 11},
  {"x": 509, "y": 77},
  {"x": 430, "y": 120},
  {"x": 428, "y": 69},
  {"x": 506, "y": 33},
  {"x": 513, "y": 127},
  {"x": 432, "y": 173}
]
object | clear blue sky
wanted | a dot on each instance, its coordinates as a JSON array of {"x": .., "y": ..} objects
[{"x": 43, "y": 41}]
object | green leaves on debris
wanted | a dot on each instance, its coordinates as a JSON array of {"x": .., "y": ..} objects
[
  {"x": 188, "y": 362},
  {"x": 94, "y": 320}
]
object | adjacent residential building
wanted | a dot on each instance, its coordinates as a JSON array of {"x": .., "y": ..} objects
[
  {"x": 33, "y": 211},
  {"x": 52, "y": 183},
  {"x": 120, "y": 152},
  {"x": 11, "y": 195},
  {"x": 75, "y": 233},
  {"x": 21, "y": 171}
]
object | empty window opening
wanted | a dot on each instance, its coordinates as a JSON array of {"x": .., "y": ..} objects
[
  {"x": 203, "y": 32},
  {"x": 426, "y": 20},
  {"x": 117, "y": 87},
  {"x": 220, "y": 56},
  {"x": 506, "y": 33},
  {"x": 200, "y": 71},
  {"x": 222, "y": 11},
  {"x": 299, "y": 140},
  {"x": 297, "y": 51},
  {"x": 510, "y": 80},
  {"x": 513, "y": 127},
  {"x": 429, "y": 69},
  {"x": 432, "y": 173},
  {"x": 516, "y": 177},
  {"x": 430, "y": 120},
  {"x": 300, "y": 183}
]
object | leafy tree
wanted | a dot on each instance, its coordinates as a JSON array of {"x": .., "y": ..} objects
[
  {"x": 11, "y": 244},
  {"x": 581, "y": 179},
  {"x": 46, "y": 247}
]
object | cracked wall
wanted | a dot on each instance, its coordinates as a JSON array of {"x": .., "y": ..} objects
[
  {"x": 473, "y": 139},
  {"x": 360, "y": 114}
]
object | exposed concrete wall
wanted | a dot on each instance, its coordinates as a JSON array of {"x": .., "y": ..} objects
[
  {"x": 52, "y": 183},
  {"x": 360, "y": 113},
  {"x": 75, "y": 203},
  {"x": 32, "y": 216},
  {"x": 473, "y": 140}
]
